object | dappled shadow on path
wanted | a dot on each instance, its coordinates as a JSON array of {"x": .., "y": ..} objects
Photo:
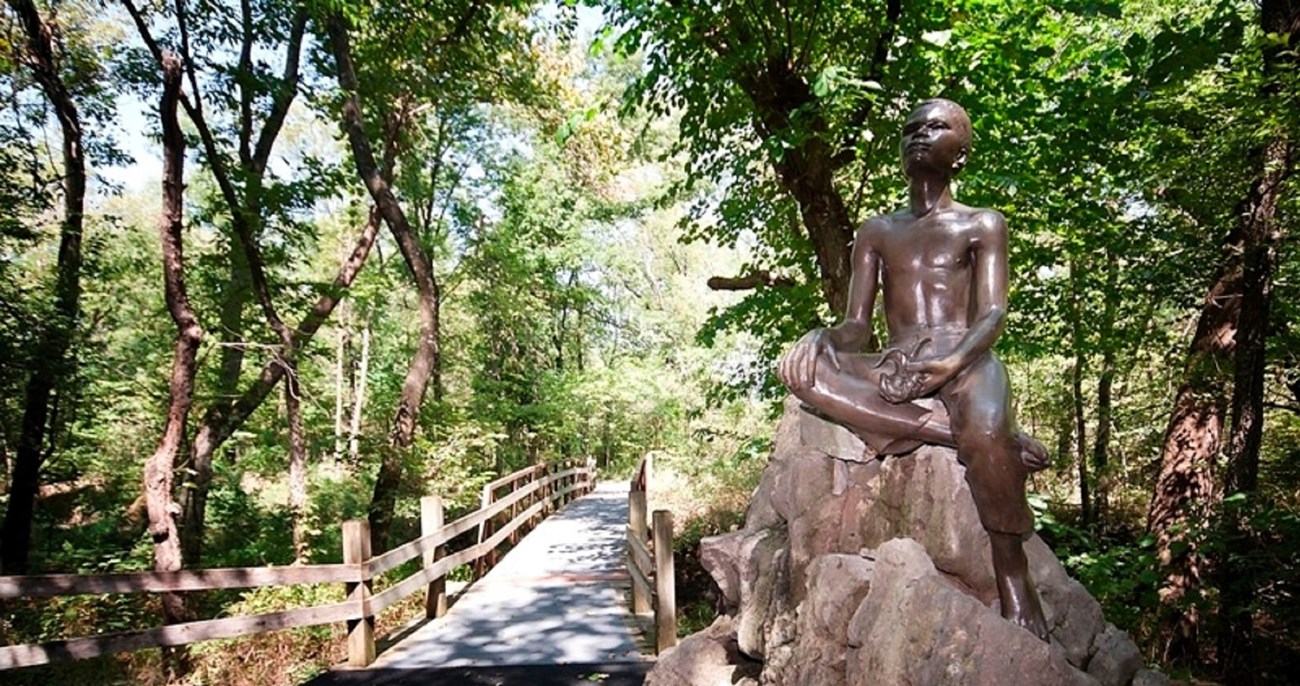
[
  {"x": 553, "y": 612},
  {"x": 619, "y": 674},
  {"x": 586, "y": 537},
  {"x": 561, "y": 623},
  {"x": 557, "y": 598}
]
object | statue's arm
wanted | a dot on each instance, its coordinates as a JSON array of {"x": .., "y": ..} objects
[
  {"x": 989, "y": 288},
  {"x": 797, "y": 369},
  {"x": 853, "y": 333}
]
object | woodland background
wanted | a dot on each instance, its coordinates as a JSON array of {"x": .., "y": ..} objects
[{"x": 267, "y": 265}]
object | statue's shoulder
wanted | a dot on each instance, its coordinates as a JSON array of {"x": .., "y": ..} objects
[
  {"x": 986, "y": 223},
  {"x": 875, "y": 228},
  {"x": 990, "y": 217}
]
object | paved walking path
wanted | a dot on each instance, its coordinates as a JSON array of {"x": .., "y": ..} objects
[{"x": 558, "y": 598}]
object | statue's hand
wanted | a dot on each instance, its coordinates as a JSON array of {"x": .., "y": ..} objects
[
  {"x": 797, "y": 369},
  {"x": 900, "y": 387},
  {"x": 933, "y": 372},
  {"x": 908, "y": 381}
]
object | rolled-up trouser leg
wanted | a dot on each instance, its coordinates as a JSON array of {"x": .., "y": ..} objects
[
  {"x": 983, "y": 424},
  {"x": 997, "y": 484}
]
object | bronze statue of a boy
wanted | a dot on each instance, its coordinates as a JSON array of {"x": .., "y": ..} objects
[{"x": 942, "y": 267}]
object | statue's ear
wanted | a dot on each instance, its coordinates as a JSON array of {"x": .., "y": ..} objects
[{"x": 960, "y": 163}]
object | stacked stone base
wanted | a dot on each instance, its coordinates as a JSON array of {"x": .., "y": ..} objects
[{"x": 856, "y": 571}]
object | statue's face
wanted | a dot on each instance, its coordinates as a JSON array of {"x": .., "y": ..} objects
[{"x": 935, "y": 138}]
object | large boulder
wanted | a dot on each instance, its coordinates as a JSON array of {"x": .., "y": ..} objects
[
  {"x": 856, "y": 570},
  {"x": 706, "y": 658}
]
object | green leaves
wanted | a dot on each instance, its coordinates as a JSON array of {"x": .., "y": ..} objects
[{"x": 835, "y": 77}]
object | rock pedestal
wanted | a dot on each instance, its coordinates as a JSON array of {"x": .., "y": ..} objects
[{"x": 855, "y": 571}]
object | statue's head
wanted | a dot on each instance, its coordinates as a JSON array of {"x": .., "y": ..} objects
[{"x": 936, "y": 137}]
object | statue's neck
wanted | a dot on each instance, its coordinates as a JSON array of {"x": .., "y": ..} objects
[{"x": 928, "y": 193}]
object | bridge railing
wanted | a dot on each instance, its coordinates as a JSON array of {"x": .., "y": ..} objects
[
  {"x": 534, "y": 492},
  {"x": 650, "y": 559}
]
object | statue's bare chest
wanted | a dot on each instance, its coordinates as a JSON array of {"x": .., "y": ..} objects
[{"x": 932, "y": 247}]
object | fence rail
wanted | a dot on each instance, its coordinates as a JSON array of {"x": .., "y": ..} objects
[
  {"x": 650, "y": 559},
  {"x": 530, "y": 494}
]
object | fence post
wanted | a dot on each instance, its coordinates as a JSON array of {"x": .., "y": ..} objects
[
  {"x": 591, "y": 474},
  {"x": 637, "y": 527},
  {"x": 514, "y": 512},
  {"x": 539, "y": 495},
  {"x": 361, "y": 632},
  {"x": 526, "y": 503},
  {"x": 545, "y": 490},
  {"x": 649, "y": 468},
  {"x": 480, "y": 565},
  {"x": 665, "y": 591},
  {"x": 571, "y": 481},
  {"x": 431, "y": 521}
]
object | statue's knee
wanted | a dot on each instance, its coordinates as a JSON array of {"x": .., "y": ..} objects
[
  {"x": 996, "y": 436},
  {"x": 983, "y": 419}
]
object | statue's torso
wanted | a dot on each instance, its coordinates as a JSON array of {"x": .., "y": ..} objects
[{"x": 927, "y": 272}]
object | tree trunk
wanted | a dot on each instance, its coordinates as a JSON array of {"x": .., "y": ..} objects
[
  {"x": 359, "y": 401},
  {"x": 1237, "y": 583},
  {"x": 342, "y": 390},
  {"x": 52, "y": 365},
  {"x": 1101, "y": 442},
  {"x": 1076, "y": 397},
  {"x": 297, "y": 466},
  {"x": 1065, "y": 420},
  {"x": 1184, "y": 489},
  {"x": 160, "y": 468},
  {"x": 234, "y": 298},
  {"x": 1105, "y": 386},
  {"x": 1080, "y": 440},
  {"x": 436, "y": 383},
  {"x": 223, "y": 418},
  {"x": 807, "y": 169},
  {"x": 417, "y": 261},
  {"x": 1261, "y": 233},
  {"x": 807, "y": 173}
]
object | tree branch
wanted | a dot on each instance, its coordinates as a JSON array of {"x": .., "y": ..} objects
[
  {"x": 1293, "y": 409},
  {"x": 758, "y": 279},
  {"x": 243, "y": 76},
  {"x": 879, "y": 56},
  {"x": 193, "y": 109},
  {"x": 284, "y": 95}
]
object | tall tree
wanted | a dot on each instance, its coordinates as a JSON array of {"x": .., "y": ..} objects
[
  {"x": 421, "y": 368},
  {"x": 1261, "y": 229},
  {"x": 51, "y": 368},
  {"x": 1185, "y": 486},
  {"x": 1209, "y": 123},
  {"x": 794, "y": 87},
  {"x": 160, "y": 468},
  {"x": 1105, "y": 390},
  {"x": 441, "y": 57},
  {"x": 240, "y": 168}
]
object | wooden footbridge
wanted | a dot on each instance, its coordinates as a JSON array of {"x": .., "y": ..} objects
[{"x": 554, "y": 610}]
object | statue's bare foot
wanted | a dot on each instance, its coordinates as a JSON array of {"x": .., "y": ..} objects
[
  {"x": 1032, "y": 453},
  {"x": 1019, "y": 598}
]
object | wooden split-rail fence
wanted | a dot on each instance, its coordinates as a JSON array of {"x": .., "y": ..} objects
[
  {"x": 650, "y": 560},
  {"x": 526, "y": 497}
]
